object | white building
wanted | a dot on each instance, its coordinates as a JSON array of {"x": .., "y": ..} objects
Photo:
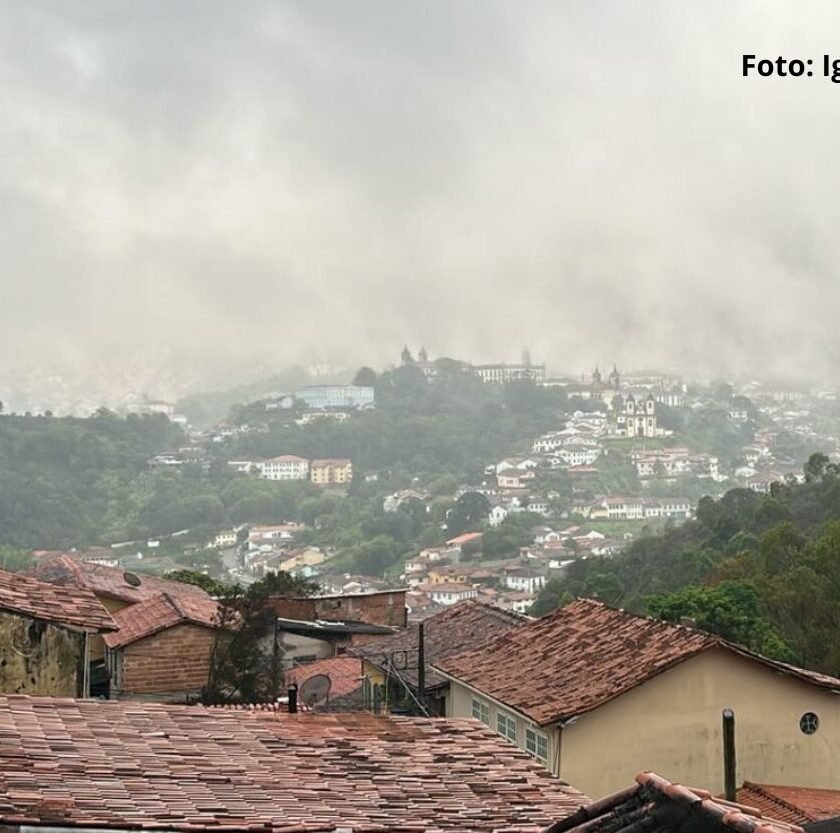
[
  {"x": 520, "y": 578},
  {"x": 449, "y": 593},
  {"x": 284, "y": 467},
  {"x": 499, "y": 374}
]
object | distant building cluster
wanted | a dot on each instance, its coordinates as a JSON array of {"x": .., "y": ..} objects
[{"x": 322, "y": 472}]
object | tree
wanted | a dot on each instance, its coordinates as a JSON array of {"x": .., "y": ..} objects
[
  {"x": 468, "y": 513},
  {"x": 14, "y": 560},
  {"x": 209, "y": 585},
  {"x": 731, "y": 609},
  {"x": 551, "y": 596},
  {"x": 243, "y": 666},
  {"x": 365, "y": 377}
]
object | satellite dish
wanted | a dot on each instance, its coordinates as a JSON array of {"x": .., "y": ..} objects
[
  {"x": 314, "y": 690},
  {"x": 131, "y": 579}
]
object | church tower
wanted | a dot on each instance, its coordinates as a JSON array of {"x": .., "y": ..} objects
[{"x": 614, "y": 379}]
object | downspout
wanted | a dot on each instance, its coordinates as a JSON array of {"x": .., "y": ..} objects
[{"x": 558, "y": 747}]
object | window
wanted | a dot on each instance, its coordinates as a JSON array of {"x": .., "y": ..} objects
[
  {"x": 506, "y": 726},
  {"x": 809, "y": 723},
  {"x": 481, "y": 711},
  {"x": 536, "y": 744}
]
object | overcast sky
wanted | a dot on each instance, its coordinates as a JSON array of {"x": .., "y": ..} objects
[{"x": 242, "y": 183}]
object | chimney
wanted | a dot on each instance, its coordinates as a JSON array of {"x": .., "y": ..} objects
[
  {"x": 293, "y": 691},
  {"x": 729, "y": 778}
]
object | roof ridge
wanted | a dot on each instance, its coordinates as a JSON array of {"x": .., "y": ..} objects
[{"x": 173, "y": 603}]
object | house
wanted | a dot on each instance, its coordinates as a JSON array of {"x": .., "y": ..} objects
[
  {"x": 300, "y": 641},
  {"x": 384, "y": 607},
  {"x": 115, "y": 589},
  {"x": 303, "y": 560},
  {"x": 162, "y": 648},
  {"x": 468, "y": 539},
  {"x": 45, "y": 633},
  {"x": 390, "y": 665},
  {"x": 655, "y": 805},
  {"x": 331, "y": 472},
  {"x": 448, "y": 593},
  {"x": 497, "y": 514},
  {"x": 277, "y": 533},
  {"x": 87, "y": 765},
  {"x": 571, "y": 683},
  {"x": 514, "y": 478},
  {"x": 225, "y": 538},
  {"x": 394, "y": 501},
  {"x": 523, "y": 578}
]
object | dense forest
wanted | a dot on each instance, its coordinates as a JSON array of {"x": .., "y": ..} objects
[
  {"x": 79, "y": 482},
  {"x": 761, "y": 570}
]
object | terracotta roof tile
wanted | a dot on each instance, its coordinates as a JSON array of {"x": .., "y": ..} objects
[
  {"x": 461, "y": 627},
  {"x": 65, "y": 569},
  {"x": 70, "y": 606},
  {"x": 128, "y": 764},
  {"x": 585, "y": 654},
  {"x": 797, "y": 805},
  {"x": 345, "y": 674},
  {"x": 654, "y": 805},
  {"x": 158, "y": 613}
]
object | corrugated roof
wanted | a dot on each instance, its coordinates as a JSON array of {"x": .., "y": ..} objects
[
  {"x": 128, "y": 764},
  {"x": 585, "y": 654},
  {"x": 68, "y": 606}
]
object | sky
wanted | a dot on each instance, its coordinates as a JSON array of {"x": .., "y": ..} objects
[{"x": 193, "y": 190}]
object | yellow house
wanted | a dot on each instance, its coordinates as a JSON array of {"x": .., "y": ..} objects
[
  {"x": 303, "y": 557},
  {"x": 597, "y": 694},
  {"x": 331, "y": 472}
]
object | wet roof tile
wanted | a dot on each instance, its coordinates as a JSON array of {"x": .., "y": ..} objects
[
  {"x": 585, "y": 654},
  {"x": 125, "y": 764},
  {"x": 70, "y": 606}
]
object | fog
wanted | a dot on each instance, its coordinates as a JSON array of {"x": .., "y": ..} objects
[{"x": 195, "y": 190}]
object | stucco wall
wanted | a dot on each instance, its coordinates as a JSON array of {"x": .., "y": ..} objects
[
  {"x": 39, "y": 658},
  {"x": 97, "y": 645},
  {"x": 459, "y": 704},
  {"x": 672, "y": 725}
]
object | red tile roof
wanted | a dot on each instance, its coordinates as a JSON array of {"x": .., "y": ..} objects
[
  {"x": 345, "y": 674},
  {"x": 127, "y": 764},
  {"x": 462, "y": 627},
  {"x": 65, "y": 569},
  {"x": 654, "y": 805},
  {"x": 69, "y": 606},
  {"x": 797, "y": 805},
  {"x": 585, "y": 654},
  {"x": 159, "y": 613}
]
